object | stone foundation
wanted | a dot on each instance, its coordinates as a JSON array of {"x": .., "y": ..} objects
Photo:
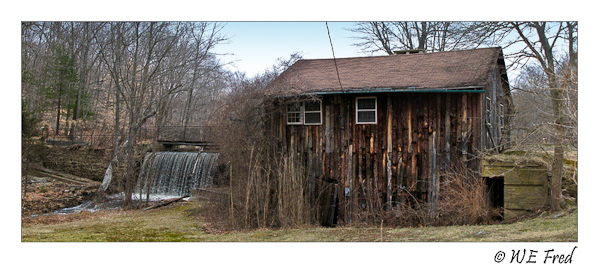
[{"x": 79, "y": 161}]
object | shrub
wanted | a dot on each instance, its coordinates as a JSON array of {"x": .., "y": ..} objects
[{"x": 464, "y": 199}]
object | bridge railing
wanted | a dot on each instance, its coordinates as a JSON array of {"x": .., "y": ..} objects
[
  {"x": 192, "y": 134},
  {"x": 176, "y": 134}
]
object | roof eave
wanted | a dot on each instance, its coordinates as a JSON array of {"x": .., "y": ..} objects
[{"x": 464, "y": 89}]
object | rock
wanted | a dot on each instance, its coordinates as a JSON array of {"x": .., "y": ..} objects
[
  {"x": 559, "y": 215},
  {"x": 41, "y": 179}
]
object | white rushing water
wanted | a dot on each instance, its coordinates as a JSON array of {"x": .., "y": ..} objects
[
  {"x": 167, "y": 174},
  {"x": 176, "y": 173}
]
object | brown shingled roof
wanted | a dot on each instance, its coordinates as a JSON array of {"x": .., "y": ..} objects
[{"x": 450, "y": 69}]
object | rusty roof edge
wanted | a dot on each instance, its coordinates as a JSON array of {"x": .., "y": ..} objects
[
  {"x": 427, "y": 54},
  {"x": 465, "y": 89}
]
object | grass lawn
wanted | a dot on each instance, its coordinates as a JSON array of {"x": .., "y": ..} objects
[{"x": 178, "y": 223}]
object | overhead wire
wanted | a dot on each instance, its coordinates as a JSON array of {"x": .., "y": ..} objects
[
  {"x": 334, "y": 59},
  {"x": 347, "y": 190}
]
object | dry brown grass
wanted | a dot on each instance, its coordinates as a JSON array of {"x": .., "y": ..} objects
[
  {"x": 62, "y": 218},
  {"x": 464, "y": 200},
  {"x": 180, "y": 223}
]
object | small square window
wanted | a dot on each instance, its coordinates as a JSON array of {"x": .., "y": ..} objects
[
  {"x": 312, "y": 106},
  {"x": 313, "y": 113},
  {"x": 295, "y": 114},
  {"x": 304, "y": 113},
  {"x": 366, "y": 110},
  {"x": 366, "y": 103}
]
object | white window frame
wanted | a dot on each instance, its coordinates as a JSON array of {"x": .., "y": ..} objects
[
  {"x": 312, "y": 112},
  {"x": 488, "y": 111},
  {"x": 501, "y": 118},
  {"x": 367, "y": 110},
  {"x": 302, "y": 114}
]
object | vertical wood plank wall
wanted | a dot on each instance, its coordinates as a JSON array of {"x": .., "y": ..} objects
[{"x": 418, "y": 136}]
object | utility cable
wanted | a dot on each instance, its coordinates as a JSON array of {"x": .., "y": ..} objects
[{"x": 334, "y": 59}]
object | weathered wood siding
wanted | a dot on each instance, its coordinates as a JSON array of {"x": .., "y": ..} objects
[
  {"x": 496, "y": 110},
  {"x": 416, "y": 138}
]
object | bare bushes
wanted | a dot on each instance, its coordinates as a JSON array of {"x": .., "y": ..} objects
[
  {"x": 265, "y": 187},
  {"x": 463, "y": 200},
  {"x": 272, "y": 193}
]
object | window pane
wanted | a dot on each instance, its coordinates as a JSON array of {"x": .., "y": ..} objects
[
  {"x": 369, "y": 103},
  {"x": 293, "y": 117},
  {"x": 312, "y": 106},
  {"x": 312, "y": 118},
  {"x": 366, "y": 116},
  {"x": 294, "y": 108},
  {"x": 294, "y": 113}
]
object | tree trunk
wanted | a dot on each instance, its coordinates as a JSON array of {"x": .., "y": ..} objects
[
  {"x": 556, "y": 93},
  {"x": 80, "y": 89},
  {"x": 558, "y": 153},
  {"x": 129, "y": 176},
  {"x": 58, "y": 115},
  {"x": 557, "y": 103},
  {"x": 132, "y": 166},
  {"x": 166, "y": 202},
  {"x": 117, "y": 112}
]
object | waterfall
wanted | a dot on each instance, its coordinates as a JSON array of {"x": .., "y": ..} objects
[{"x": 176, "y": 173}]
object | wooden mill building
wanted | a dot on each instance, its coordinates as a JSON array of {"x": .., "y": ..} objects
[{"x": 375, "y": 130}]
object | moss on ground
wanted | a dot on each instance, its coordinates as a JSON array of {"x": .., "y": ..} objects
[{"x": 179, "y": 223}]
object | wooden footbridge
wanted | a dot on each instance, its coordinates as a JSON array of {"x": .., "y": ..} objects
[{"x": 204, "y": 136}]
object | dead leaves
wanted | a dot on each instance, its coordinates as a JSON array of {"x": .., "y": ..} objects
[{"x": 47, "y": 196}]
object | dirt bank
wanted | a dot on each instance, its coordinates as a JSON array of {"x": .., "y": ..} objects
[
  {"x": 44, "y": 195},
  {"x": 79, "y": 161}
]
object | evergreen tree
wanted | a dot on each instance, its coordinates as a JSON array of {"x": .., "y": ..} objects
[{"x": 61, "y": 82}]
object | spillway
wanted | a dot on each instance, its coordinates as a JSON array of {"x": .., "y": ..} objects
[{"x": 176, "y": 173}]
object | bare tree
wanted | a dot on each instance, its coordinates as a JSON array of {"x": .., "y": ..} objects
[
  {"x": 261, "y": 180},
  {"x": 553, "y": 47},
  {"x": 46, "y": 47},
  {"x": 413, "y": 35},
  {"x": 531, "y": 121},
  {"x": 148, "y": 63},
  {"x": 85, "y": 51},
  {"x": 540, "y": 39}
]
